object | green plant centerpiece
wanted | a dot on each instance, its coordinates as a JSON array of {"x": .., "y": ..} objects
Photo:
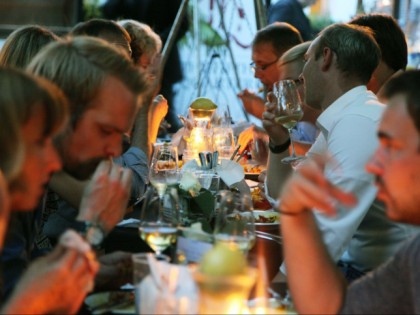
[{"x": 196, "y": 203}]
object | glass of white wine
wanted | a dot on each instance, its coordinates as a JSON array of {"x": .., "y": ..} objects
[
  {"x": 157, "y": 229},
  {"x": 288, "y": 111},
  {"x": 164, "y": 167},
  {"x": 158, "y": 225},
  {"x": 234, "y": 221}
]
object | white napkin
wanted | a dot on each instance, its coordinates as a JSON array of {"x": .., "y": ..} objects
[
  {"x": 169, "y": 289},
  {"x": 191, "y": 165},
  {"x": 230, "y": 172}
]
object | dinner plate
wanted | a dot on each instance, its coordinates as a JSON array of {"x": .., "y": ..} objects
[
  {"x": 98, "y": 303},
  {"x": 252, "y": 176},
  {"x": 266, "y": 217},
  {"x": 256, "y": 170}
]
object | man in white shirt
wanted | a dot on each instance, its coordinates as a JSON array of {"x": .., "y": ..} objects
[{"x": 339, "y": 63}]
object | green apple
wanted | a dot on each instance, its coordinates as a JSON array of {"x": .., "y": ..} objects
[{"x": 223, "y": 260}]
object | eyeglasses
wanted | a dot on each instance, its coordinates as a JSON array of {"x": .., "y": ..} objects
[{"x": 254, "y": 67}]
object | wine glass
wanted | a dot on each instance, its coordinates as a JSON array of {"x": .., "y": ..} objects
[
  {"x": 164, "y": 167},
  {"x": 158, "y": 225},
  {"x": 234, "y": 221},
  {"x": 288, "y": 111},
  {"x": 223, "y": 141}
]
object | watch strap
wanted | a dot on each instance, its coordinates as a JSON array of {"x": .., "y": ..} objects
[
  {"x": 276, "y": 149},
  {"x": 92, "y": 232}
]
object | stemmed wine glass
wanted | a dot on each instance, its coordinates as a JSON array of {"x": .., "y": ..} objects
[
  {"x": 234, "y": 221},
  {"x": 164, "y": 167},
  {"x": 288, "y": 111},
  {"x": 158, "y": 226}
]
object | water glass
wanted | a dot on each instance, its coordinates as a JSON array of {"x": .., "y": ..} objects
[
  {"x": 209, "y": 181},
  {"x": 158, "y": 225},
  {"x": 223, "y": 141},
  {"x": 259, "y": 151},
  {"x": 234, "y": 221}
]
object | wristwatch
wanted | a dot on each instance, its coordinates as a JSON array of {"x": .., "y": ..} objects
[
  {"x": 276, "y": 149},
  {"x": 92, "y": 232}
]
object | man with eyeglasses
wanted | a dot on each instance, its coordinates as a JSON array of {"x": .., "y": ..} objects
[{"x": 268, "y": 46}]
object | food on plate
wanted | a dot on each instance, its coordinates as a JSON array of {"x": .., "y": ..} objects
[
  {"x": 260, "y": 216},
  {"x": 266, "y": 217},
  {"x": 258, "y": 200},
  {"x": 253, "y": 169},
  {"x": 223, "y": 260},
  {"x": 166, "y": 165}
]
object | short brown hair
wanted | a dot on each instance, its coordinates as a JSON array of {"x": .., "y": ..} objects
[
  {"x": 389, "y": 36},
  {"x": 281, "y": 35},
  {"x": 357, "y": 52}
]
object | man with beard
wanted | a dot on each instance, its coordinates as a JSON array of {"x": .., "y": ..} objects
[
  {"x": 103, "y": 88},
  {"x": 316, "y": 284}
]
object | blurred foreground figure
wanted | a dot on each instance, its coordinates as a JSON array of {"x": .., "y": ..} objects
[{"x": 32, "y": 111}]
